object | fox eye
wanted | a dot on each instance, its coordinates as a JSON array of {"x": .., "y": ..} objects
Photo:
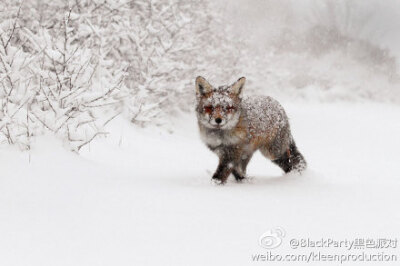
[{"x": 208, "y": 109}]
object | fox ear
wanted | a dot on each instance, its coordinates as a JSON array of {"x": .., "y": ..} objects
[
  {"x": 202, "y": 86},
  {"x": 237, "y": 87}
]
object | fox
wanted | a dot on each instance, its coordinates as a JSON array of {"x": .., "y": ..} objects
[{"x": 235, "y": 127}]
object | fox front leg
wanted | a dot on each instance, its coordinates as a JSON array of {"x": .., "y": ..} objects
[
  {"x": 228, "y": 158},
  {"x": 239, "y": 171},
  {"x": 223, "y": 171},
  {"x": 238, "y": 174}
]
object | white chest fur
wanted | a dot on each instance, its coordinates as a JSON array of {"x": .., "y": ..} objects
[{"x": 215, "y": 138}]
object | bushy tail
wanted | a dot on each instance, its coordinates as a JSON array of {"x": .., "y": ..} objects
[{"x": 291, "y": 160}]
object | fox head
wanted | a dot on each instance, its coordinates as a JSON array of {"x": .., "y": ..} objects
[{"x": 218, "y": 108}]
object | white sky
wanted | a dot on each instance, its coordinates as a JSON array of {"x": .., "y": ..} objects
[{"x": 375, "y": 20}]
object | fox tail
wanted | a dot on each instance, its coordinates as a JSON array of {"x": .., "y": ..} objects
[{"x": 291, "y": 160}]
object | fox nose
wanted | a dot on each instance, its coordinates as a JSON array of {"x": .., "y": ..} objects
[{"x": 218, "y": 120}]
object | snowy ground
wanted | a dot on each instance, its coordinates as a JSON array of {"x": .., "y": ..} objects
[{"x": 143, "y": 197}]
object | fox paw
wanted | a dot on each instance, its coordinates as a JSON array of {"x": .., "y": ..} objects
[
  {"x": 217, "y": 181},
  {"x": 239, "y": 177}
]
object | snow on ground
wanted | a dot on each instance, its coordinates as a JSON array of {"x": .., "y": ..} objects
[{"x": 144, "y": 197}]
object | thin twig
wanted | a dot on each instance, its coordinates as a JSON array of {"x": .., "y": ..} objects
[
  {"x": 13, "y": 29},
  {"x": 88, "y": 141}
]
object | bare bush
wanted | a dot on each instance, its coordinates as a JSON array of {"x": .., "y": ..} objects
[
  {"x": 69, "y": 67},
  {"x": 61, "y": 85}
]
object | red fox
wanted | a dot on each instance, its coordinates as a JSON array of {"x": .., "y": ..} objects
[{"x": 234, "y": 128}]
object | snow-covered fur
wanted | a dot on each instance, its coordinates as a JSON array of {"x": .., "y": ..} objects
[{"x": 234, "y": 128}]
